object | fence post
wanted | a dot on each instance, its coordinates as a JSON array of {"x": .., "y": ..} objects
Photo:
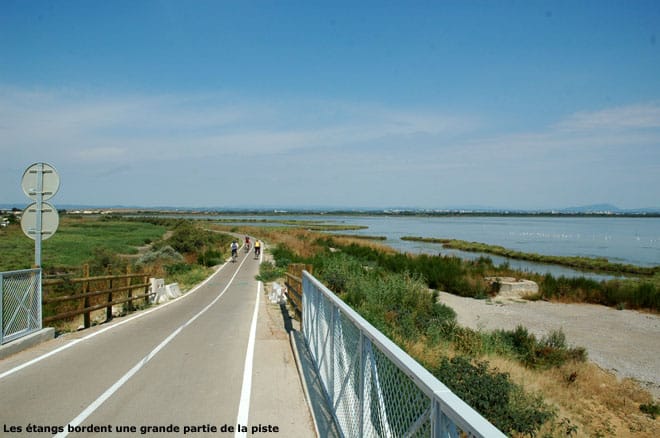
[
  {"x": 108, "y": 309},
  {"x": 146, "y": 282},
  {"x": 130, "y": 291},
  {"x": 362, "y": 377},
  {"x": 85, "y": 289}
]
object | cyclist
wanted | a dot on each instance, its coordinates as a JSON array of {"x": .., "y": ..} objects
[
  {"x": 257, "y": 248},
  {"x": 247, "y": 243},
  {"x": 234, "y": 251}
]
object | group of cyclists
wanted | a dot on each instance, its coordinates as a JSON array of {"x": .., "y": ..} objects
[{"x": 234, "y": 248}]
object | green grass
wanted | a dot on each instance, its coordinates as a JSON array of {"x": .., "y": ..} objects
[
  {"x": 76, "y": 242},
  {"x": 189, "y": 277}
]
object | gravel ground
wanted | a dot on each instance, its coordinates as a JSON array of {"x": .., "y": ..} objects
[{"x": 624, "y": 342}]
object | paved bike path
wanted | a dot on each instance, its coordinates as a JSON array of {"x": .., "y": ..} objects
[{"x": 180, "y": 365}]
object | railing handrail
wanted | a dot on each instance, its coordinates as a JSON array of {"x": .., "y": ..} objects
[
  {"x": 463, "y": 415},
  {"x": 20, "y": 271}
]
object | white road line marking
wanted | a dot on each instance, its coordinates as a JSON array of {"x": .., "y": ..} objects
[
  {"x": 118, "y": 384},
  {"x": 113, "y": 326},
  {"x": 246, "y": 390}
]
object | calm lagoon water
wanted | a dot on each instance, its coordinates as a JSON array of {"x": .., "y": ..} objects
[{"x": 619, "y": 239}]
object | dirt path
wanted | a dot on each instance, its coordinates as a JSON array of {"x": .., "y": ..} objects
[{"x": 624, "y": 342}]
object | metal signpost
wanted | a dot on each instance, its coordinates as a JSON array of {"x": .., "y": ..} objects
[{"x": 40, "y": 219}]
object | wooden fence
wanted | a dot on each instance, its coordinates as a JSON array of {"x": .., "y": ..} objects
[
  {"x": 93, "y": 293},
  {"x": 294, "y": 286}
]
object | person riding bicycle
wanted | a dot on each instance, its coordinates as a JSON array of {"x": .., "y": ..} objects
[
  {"x": 247, "y": 243},
  {"x": 234, "y": 250},
  {"x": 257, "y": 248}
]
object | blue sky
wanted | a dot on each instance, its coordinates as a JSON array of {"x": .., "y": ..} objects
[{"x": 508, "y": 104}]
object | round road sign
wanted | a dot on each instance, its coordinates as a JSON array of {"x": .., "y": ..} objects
[
  {"x": 50, "y": 181},
  {"x": 50, "y": 220}
]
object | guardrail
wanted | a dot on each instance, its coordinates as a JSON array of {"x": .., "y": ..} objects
[
  {"x": 95, "y": 293},
  {"x": 374, "y": 388},
  {"x": 294, "y": 286},
  {"x": 20, "y": 303}
]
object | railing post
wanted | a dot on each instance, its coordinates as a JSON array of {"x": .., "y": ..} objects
[
  {"x": 85, "y": 288},
  {"x": 108, "y": 309},
  {"x": 145, "y": 281},
  {"x": 332, "y": 352},
  {"x": 40, "y": 298},
  {"x": 129, "y": 293},
  {"x": 361, "y": 380}
]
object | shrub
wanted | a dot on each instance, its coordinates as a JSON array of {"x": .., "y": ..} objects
[
  {"x": 284, "y": 256},
  {"x": 178, "y": 268},
  {"x": 104, "y": 259},
  {"x": 187, "y": 238},
  {"x": 166, "y": 254},
  {"x": 209, "y": 257},
  {"x": 651, "y": 409},
  {"x": 494, "y": 395},
  {"x": 269, "y": 272},
  {"x": 550, "y": 351}
]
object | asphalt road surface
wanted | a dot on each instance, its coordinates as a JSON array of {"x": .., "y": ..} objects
[{"x": 183, "y": 368}]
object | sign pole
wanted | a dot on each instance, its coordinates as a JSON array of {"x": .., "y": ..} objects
[
  {"x": 40, "y": 207},
  {"x": 40, "y": 182}
]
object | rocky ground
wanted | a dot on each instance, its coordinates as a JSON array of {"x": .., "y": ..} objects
[{"x": 624, "y": 342}]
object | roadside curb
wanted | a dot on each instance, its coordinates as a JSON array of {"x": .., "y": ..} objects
[{"x": 29, "y": 341}]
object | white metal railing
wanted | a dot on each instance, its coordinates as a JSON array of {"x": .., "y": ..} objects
[
  {"x": 20, "y": 303},
  {"x": 374, "y": 388}
]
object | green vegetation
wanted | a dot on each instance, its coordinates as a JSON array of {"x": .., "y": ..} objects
[
  {"x": 268, "y": 271},
  {"x": 466, "y": 278},
  {"x": 631, "y": 294},
  {"x": 494, "y": 395},
  {"x": 651, "y": 409},
  {"x": 77, "y": 241},
  {"x": 400, "y": 305},
  {"x": 582, "y": 263}
]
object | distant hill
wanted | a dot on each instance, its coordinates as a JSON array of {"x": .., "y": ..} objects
[{"x": 608, "y": 208}]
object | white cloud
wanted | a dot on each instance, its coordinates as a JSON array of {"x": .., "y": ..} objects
[
  {"x": 171, "y": 127},
  {"x": 626, "y": 117}
]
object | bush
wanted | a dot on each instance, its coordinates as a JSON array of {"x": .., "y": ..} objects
[
  {"x": 550, "y": 351},
  {"x": 209, "y": 257},
  {"x": 493, "y": 395},
  {"x": 165, "y": 254},
  {"x": 269, "y": 272},
  {"x": 104, "y": 259},
  {"x": 651, "y": 409},
  {"x": 283, "y": 256},
  {"x": 187, "y": 238},
  {"x": 178, "y": 268}
]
